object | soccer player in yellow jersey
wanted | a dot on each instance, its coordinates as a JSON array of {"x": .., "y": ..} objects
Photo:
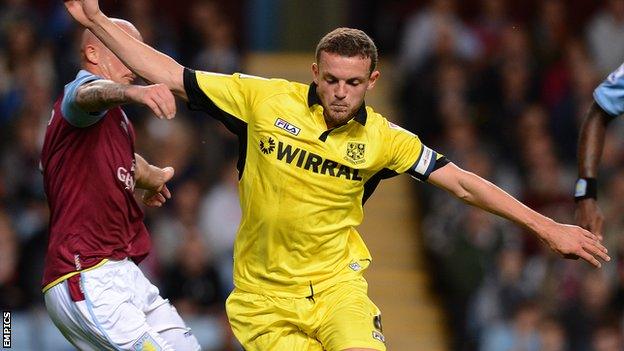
[{"x": 310, "y": 155}]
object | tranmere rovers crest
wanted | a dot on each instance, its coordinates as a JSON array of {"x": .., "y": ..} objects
[{"x": 355, "y": 152}]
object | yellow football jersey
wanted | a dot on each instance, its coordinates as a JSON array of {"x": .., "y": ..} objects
[{"x": 302, "y": 186}]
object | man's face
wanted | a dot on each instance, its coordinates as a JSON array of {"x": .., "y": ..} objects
[
  {"x": 113, "y": 68},
  {"x": 342, "y": 84},
  {"x": 105, "y": 62}
]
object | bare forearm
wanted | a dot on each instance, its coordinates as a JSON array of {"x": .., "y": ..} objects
[
  {"x": 142, "y": 59},
  {"x": 479, "y": 192},
  {"x": 591, "y": 142},
  {"x": 101, "y": 95},
  {"x": 483, "y": 194}
]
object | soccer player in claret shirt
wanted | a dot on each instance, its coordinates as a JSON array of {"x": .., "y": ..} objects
[
  {"x": 608, "y": 104},
  {"x": 94, "y": 292},
  {"x": 310, "y": 156}
]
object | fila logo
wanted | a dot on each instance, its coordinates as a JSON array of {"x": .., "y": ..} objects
[{"x": 280, "y": 123}]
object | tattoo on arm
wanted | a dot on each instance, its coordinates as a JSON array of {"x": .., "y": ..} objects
[{"x": 101, "y": 95}]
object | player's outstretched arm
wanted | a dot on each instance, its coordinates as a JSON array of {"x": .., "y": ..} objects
[
  {"x": 566, "y": 240},
  {"x": 142, "y": 59},
  {"x": 103, "y": 94},
  {"x": 154, "y": 180},
  {"x": 591, "y": 143}
]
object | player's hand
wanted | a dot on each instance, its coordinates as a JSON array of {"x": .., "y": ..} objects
[
  {"x": 156, "y": 193},
  {"x": 157, "y": 97},
  {"x": 571, "y": 241},
  {"x": 589, "y": 216},
  {"x": 83, "y": 11}
]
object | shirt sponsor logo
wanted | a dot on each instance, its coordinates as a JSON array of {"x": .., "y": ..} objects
[
  {"x": 308, "y": 160},
  {"x": 127, "y": 178},
  {"x": 280, "y": 123},
  {"x": 355, "y": 152},
  {"x": 267, "y": 145}
]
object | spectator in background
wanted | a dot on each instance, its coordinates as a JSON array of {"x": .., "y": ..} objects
[
  {"x": 501, "y": 292},
  {"x": 11, "y": 298},
  {"x": 220, "y": 216},
  {"x": 488, "y": 28},
  {"x": 27, "y": 63},
  {"x": 432, "y": 61},
  {"x": 192, "y": 283},
  {"x": 566, "y": 91},
  {"x": 613, "y": 238},
  {"x": 436, "y": 30},
  {"x": 179, "y": 222},
  {"x": 217, "y": 52},
  {"x": 550, "y": 32},
  {"x": 605, "y": 36},
  {"x": 591, "y": 307},
  {"x": 476, "y": 236},
  {"x": 521, "y": 333},
  {"x": 24, "y": 189},
  {"x": 505, "y": 86},
  {"x": 607, "y": 337},
  {"x": 152, "y": 24},
  {"x": 552, "y": 335},
  {"x": 172, "y": 143},
  {"x": 435, "y": 96}
]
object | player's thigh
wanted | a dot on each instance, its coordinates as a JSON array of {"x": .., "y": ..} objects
[
  {"x": 260, "y": 323},
  {"x": 165, "y": 320},
  {"x": 63, "y": 315},
  {"x": 351, "y": 321},
  {"x": 104, "y": 317},
  {"x": 161, "y": 316}
]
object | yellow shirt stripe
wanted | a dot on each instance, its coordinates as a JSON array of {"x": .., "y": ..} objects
[{"x": 71, "y": 274}]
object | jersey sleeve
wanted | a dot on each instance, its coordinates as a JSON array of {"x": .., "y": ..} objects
[
  {"x": 73, "y": 114},
  {"x": 609, "y": 95},
  {"x": 228, "y": 98},
  {"x": 407, "y": 154}
]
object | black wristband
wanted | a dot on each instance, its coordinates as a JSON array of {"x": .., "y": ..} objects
[{"x": 586, "y": 188}]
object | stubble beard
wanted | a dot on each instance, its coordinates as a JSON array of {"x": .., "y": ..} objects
[{"x": 335, "y": 119}]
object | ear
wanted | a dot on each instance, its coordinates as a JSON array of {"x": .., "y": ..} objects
[
  {"x": 91, "y": 54},
  {"x": 373, "y": 79},
  {"x": 315, "y": 73}
]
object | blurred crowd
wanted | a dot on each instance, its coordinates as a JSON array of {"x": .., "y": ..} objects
[
  {"x": 191, "y": 259},
  {"x": 500, "y": 94},
  {"x": 504, "y": 97}
]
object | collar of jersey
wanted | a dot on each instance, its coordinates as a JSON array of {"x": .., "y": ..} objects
[{"x": 313, "y": 99}]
